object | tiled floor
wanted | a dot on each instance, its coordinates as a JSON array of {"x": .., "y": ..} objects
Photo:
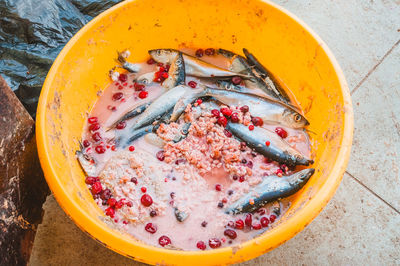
[{"x": 361, "y": 224}]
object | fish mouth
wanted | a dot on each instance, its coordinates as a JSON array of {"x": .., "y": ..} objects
[{"x": 306, "y": 174}]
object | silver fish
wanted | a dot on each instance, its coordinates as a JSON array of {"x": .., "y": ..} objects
[
  {"x": 87, "y": 163},
  {"x": 193, "y": 66},
  {"x": 271, "y": 189},
  {"x": 278, "y": 150},
  {"x": 146, "y": 78},
  {"x": 269, "y": 110},
  {"x": 133, "y": 68},
  {"x": 176, "y": 73},
  {"x": 131, "y": 114}
]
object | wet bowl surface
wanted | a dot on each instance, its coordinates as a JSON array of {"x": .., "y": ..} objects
[{"x": 281, "y": 41}]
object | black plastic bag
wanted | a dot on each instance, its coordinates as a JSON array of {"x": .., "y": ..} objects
[{"x": 32, "y": 33}]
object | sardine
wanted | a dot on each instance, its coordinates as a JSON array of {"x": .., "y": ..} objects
[
  {"x": 87, "y": 163},
  {"x": 131, "y": 114},
  {"x": 278, "y": 149},
  {"x": 269, "y": 110},
  {"x": 133, "y": 68},
  {"x": 176, "y": 73},
  {"x": 271, "y": 188},
  {"x": 193, "y": 66},
  {"x": 146, "y": 78}
]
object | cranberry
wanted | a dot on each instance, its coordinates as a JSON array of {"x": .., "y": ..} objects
[
  {"x": 123, "y": 77},
  {"x": 226, "y": 111},
  {"x": 146, "y": 200},
  {"x": 199, "y": 101},
  {"x": 214, "y": 243},
  {"x": 231, "y": 224},
  {"x": 201, "y": 245},
  {"x": 249, "y": 164},
  {"x": 220, "y": 205},
  {"x": 138, "y": 86},
  {"x": 92, "y": 120},
  {"x": 112, "y": 108},
  {"x": 120, "y": 87},
  {"x": 143, "y": 94},
  {"x": 199, "y": 52},
  {"x": 215, "y": 112},
  {"x": 117, "y": 96},
  {"x": 222, "y": 121},
  {"x": 164, "y": 75},
  {"x": 256, "y": 226},
  {"x": 160, "y": 64},
  {"x": 134, "y": 180},
  {"x": 204, "y": 224},
  {"x": 281, "y": 132},
  {"x": 264, "y": 221},
  {"x": 279, "y": 172},
  {"x": 236, "y": 80},
  {"x": 160, "y": 155},
  {"x": 230, "y": 192},
  {"x": 235, "y": 177},
  {"x": 86, "y": 143},
  {"x": 111, "y": 202},
  {"x": 248, "y": 219},
  {"x": 119, "y": 204},
  {"x": 167, "y": 66},
  {"x": 244, "y": 161},
  {"x": 172, "y": 195},
  {"x": 105, "y": 194},
  {"x": 96, "y": 137},
  {"x": 272, "y": 218},
  {"x": 230, "y": 233},
  {"x": 241, "y": 179},
  {"x": 151, "y": 61},
  {"x": 100, "y": 149},
  {"x": 161, "y": 70},
  {"x": 151, "y": 228},
  {"x": 153, "y": 213},
  {"x": 224, "y": 200},
  {"x": 261, "y": 211},
  {"x": 257, "y": 121},
  {"x": 129, "y": 204},
  {"x": 251, "y": 127},
  {"x": 239, "y": 224},
  {"x": 94, "y": 127},
  {"x": 192, "y": 84},
  {"x": 218, "y": 187},
  {"x": 143, "y": 189},
  {"x": 110, "y": 212},
  {"x": 284, "y": 168},
  {"x": 227, "y": 133},
  {"x": 209, "y": 51},
  {"x": 131, "y": 148},
  {"x": 96, "y": 188},
  {"x": 244, "y": 109},
  {"x": 121, "y": 125},
  {"x": 90, "y": 180},
  {"x": 234, "y": 118},
  {"x": 164, "y": 240},
  {"x": 243, "y": 145},
  {"x": 267, "y": 143}
]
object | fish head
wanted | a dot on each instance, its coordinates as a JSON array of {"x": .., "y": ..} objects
[
  {"x": 294, "y": 119},
  {"x": 301, "y": 177},
  {"x": 164, "y": 56}
]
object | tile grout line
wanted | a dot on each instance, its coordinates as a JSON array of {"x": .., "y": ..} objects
[
  {"x": 371, "y": 191},
  {"x": 375, "y": 67}
]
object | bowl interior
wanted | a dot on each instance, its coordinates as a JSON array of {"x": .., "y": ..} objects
[{"x": 286, "y": 47}]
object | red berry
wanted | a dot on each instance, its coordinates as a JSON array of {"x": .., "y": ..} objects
[
  {"x": 215, "y": 112},
  {"x": 117, "y": 96},
  {"x": 86, "y": 143},
  {"x": 222, "y": 121},
  {"x": 164, "y": 75},
  {"x": 112, "y": 108},
  {"x": 214, "y": 243},
  {"x": 251, "y": 127},
  {"x": 261, "y": 211},
  {"x": 256, "y": 226},
  {"x": 123, "y": 77},
  {"x": 113, "y": 148},
  {"x": 201, "y": 245},
  {"x": 121, "y": 125},
  {"x": 199, "y": 101},
  {"x": 199, "y": 52},
  {"x": 96, "y": 137},
  {"x": 160, "y": 155},
  {"x": 192, "y": 84},
  {"x": 111, "y": 202},
  {"x": 100, "y": 149},
  {"x": 239, "y": 224},
  {"x": 138, "y": 86},
  {"x": 160, "y": 64},
  {"x": 143, "y": 94},
  {"x": 105, "y": 194},
  {"x": 131, "y": 148},
  {"x": 96, "y": 188},
  {"x": 241, "y": 179},
  {"x": 153, "y": 213},
  {"x": 249, "y": 219},
  {"x": 151, "y": 61},
  {"x": 218, "y": 187},
  {"x": 230, "y": 233},
  {"x": 272, "y": 218},
  {"x": 244, "y": 108},
  {"x": 92, "y": 120},
  {"x": 164, "y": 240},
  {"x": 267, "y": 143},
  {"x": 143, "y": 189},
  {"x": 146, "y": 200},
  {"x": 209, "y": 51},
  {"x": 151, "y": 228},
  {"x": 94, "y": 127},
  {"x": 257, "y": 121},
  {"x": 235, "y": 118},
  {"x": 236, "y": 80},
  {"x": 281, "y": 132},
  {"x": 226, "y": 111},
  {"x": 167, "y": 66},
  {"x": 119, "y": 204},
  {"x": 264, "y": 221},
  {"x": 161, "y": 70},
  {"x": 90, "y": 180},
  {"x": 227, "y": 133},
  {"x": 134, "y": 180},
  {"x": 110, "y": 212}
]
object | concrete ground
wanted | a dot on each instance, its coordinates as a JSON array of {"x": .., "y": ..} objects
[{"x": 361, "y": 224}]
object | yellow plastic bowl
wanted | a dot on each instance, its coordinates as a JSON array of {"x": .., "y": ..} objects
[{"x": 280, "y": 40}]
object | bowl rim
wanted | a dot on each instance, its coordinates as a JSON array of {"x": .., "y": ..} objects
[{"x": 300, "y": 219}]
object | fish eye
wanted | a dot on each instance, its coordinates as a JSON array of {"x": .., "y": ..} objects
[{"x": 297, "y": 117}]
